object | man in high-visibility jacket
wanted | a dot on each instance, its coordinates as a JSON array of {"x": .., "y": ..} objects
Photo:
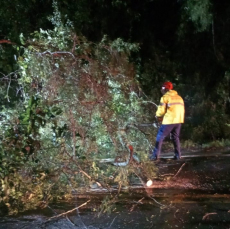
[{"x": 171, "y": 113}]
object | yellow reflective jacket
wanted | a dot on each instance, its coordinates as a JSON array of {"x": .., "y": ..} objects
[{"x": 171, "y": 108}]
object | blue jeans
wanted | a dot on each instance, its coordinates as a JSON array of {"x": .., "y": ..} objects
[{"x": 163, "y": 132}]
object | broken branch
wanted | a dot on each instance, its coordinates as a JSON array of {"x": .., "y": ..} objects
[
  {"x": 208, "y": 214},
  {"x": 62, "y": 214},
  {"x": 179, "y": 170}
]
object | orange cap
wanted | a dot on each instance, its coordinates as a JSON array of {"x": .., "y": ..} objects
[{"x": 168, "y": 85}]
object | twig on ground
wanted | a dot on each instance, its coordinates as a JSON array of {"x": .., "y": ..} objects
[
  {"x": 156, "y": 201},
  {"x": 62, "y": 214},
  {"x": 73, "y": 223},
  {"x": 208, "y": 214},
  {"x": 136, "y": 203},
  {"x": 179, "y": 170},
  {"x": 179, "y": 219},
  {"x": 112, "y": 222},
  {"x": 23, "y": 226},
  {"x": 51, "y": 209},
  {"x": 139, "y": 201}
]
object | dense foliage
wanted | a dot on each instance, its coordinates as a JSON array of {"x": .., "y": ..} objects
[{"x": 79, "y": 103}]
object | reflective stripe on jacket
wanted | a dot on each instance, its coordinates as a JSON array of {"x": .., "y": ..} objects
[{"x": 171, "y": 108}]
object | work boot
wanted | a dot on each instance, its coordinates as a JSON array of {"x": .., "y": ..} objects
[
  {"x": 153, "y": 158},
  {"x": 176, "y": 158}
]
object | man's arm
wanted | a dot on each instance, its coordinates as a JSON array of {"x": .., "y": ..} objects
[{"x": 161, "y": 110}]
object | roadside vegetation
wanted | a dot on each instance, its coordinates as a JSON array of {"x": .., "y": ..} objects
[{"x": 78, "y": 102}]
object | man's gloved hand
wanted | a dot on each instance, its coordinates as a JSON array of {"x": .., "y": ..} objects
[{"x": 159, "y": 119}]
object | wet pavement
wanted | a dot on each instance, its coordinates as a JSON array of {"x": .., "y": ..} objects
[{"x": 193, "y": 192}]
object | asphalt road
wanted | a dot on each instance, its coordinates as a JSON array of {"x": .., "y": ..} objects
[{"x": 193, "y": 192}]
